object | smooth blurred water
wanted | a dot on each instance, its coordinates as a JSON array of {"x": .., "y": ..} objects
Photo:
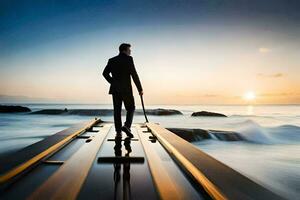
[
  {"x": 270, "y": 155},
  {"x": 276, "y": 167}
]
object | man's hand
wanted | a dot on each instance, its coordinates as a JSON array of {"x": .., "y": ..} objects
[{"x": 141, "y": 93}]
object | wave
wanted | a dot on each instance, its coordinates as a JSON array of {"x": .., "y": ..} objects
[
  {"x": 285, "y": 133},
  {"x": 248, "y": 131},
  {"x": 253, "y": 132},
  {"x": 289, "y": 126},
  {"x": 264, "y": 116},
  {"x": 243, "y": 115}
]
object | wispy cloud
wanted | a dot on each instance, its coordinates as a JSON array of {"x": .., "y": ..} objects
[
  {"x": 210, "y": 95},
  {"x": 275, "y": 75},
  {"x": 11, "y": 99},
  {"x": 264, "y": 50},
  {"x": 198, "y": 95},
  {"x": 279, "y": 94}
]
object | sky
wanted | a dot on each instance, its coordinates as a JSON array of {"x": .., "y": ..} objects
[{"x": 185, "y": 52}]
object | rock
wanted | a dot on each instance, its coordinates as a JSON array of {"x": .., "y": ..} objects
[
  {"x": 207, "y": 114},
  {"x": 161, "y": 111},
  {"x": 226, "y": 135},
  {"x": 13, "y": 109},
  {"x": 50, "y": 112},
  {"x": 91, "y": 112},
  {"x": 194, "y": 135},
  {"x": 86, "y": 112},
  {"x": 104, "y": 112},
  {"x": 191, "y": 135}
]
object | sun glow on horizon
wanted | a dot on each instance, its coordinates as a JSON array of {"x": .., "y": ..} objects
[{"x": 249, "y": 96}]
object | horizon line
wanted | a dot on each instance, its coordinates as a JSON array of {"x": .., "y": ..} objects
[{"x": 61, "y": 103}]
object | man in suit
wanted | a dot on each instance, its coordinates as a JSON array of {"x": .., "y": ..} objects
[{"x": 121, "y": 68}]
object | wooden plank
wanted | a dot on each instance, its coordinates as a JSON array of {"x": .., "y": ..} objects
[
  {"x": 165, "y": 182},
  {"x": 219, "y": 180},
  {"x": 66, "y": 182},
  {"x": 12, "y": 165}
]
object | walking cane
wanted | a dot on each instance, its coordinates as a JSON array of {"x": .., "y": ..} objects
[{"x": 144, "y": 108}]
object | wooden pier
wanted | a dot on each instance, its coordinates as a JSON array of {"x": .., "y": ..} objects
[{"x": 86, "y": 161}]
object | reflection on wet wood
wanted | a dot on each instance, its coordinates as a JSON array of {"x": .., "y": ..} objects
[
  {"x": 66, "y": 182},
  {"x": 11, "y": 166},
  {"x": 164, "y": 180},
  {"x": 121, "y": 159}
]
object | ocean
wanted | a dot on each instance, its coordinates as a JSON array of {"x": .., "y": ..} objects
[{"x": 270, "y": 155}]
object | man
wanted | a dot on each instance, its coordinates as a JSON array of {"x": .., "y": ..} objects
[{"x": 121, "y": 68}]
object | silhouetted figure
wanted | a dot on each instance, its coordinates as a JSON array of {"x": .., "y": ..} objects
[{"x": 121, "y": 68}]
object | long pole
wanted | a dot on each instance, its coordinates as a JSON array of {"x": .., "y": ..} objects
[{"x": 144, "y": 108}]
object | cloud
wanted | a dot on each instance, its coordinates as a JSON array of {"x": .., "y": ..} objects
[
  {"x": 210, "y": 95},
  {"x": 275, "y": 75},
  {"x": 279, "y": 94},
  {"x": 14, "y": 99},
  {"x": 197, "y": 95},
  {"x": 264, "y": 50}
]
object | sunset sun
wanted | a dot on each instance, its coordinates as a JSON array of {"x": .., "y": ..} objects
[{"x": 249, "y": 96}]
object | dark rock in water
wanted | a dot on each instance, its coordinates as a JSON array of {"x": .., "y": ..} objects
[
  {"x": 160, "y": 111},
  {"x": 193, "y": 135},
  {"x": 91, "y": 112},
  {"x": 103, "y": 112},
  {"x": 207, "y": 114},
  {"x": 86, "y": 112},
  {"x": 13, "y": 109},
  {"x": 226, "y": 135},
  {"x": 50, "y": 112}
]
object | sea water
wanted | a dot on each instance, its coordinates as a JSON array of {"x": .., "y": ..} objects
[{"x": 270, "y": 155}]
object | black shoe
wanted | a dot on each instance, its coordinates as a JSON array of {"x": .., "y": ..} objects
[{"x": 127, "y": 131}]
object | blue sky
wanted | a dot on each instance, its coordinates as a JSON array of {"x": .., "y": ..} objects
[
  {"x": 27, "y": 23},
  {"x": 57, "y": 49}
]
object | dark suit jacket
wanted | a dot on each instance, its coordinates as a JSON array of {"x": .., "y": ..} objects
[{"x": 121, "y": 68}]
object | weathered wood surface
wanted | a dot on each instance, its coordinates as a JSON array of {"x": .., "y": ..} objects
[
  {"x": 219, "y": 180},
  {"x": 164, "y": 173},
  {"x": 13, "y": 164},
  {"x": 66, "y": 182}
]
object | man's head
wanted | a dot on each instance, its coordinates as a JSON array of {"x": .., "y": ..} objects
[{"x": 125, "y": 48}]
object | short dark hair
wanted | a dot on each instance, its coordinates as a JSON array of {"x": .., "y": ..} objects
[{"x": 124, "y": 47}]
